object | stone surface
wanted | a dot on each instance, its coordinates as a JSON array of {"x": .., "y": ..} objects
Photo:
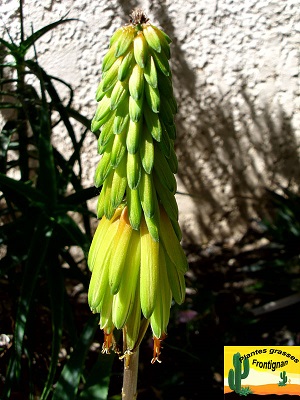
[{"x": 236, "y": 75}]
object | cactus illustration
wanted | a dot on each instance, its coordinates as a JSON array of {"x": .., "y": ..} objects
[
  {"x": 235, "y": 376},
  {"x": 284, "y": 379}
]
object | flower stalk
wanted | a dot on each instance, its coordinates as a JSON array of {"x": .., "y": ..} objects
[
  {"x": 129, "y": 390},
  {"x": 136, "y": 259}
]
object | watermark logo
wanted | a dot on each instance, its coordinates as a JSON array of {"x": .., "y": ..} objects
[{"x": 262, "y": 370}]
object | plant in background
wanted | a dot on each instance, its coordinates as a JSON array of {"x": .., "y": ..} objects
[
  {"x": 281, "y": 227},
  {"x": 245, "y": 391},
  {"x": 39, "y": 189},
  {"x": 136, "y": 259},
  {"x": 284, "y": 228},
  {"x": 283, "y": 378},
  {"x": 235, "y": 376}
]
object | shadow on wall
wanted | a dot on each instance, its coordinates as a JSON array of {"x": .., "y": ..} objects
[
  {"x": 229, "y": 149},
  {"x": 227, "y": 165}
]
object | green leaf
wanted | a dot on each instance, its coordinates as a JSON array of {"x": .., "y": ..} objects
[
  {"x": 56, "y": 291},
  {"x": 10, "y": 377},
  {"x": 6, "y": 133},
  {"x": 67, "y": 385},
  {"x": 8, "y": 106},
  {"x": 72, "y": 233},
  {"x": 23, "y": 190},
  {"x": 75, "y": 273},
  {"x": 26, "y": 44},
  {"x": 69, "y": 322},
  {"x": 56, "y": 101},
  {"x": 81, "y": 196},
  {"x": 47, "y": 175},
  {"x": 36, "y": 259},
  {"x": 97, "y": 382},
  {"x": 11, "y": 46},
  {"x": 67, "y": 175}
]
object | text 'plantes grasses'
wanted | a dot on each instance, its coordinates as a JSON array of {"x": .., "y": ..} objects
[{"x": 136, "y": 259}]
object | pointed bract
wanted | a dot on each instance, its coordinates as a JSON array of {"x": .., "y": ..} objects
[
  {"x": 149, "y": 273},
  {"x": 99, "y": 263},
  {"x": 166, "y": 112},
  {"x": 161, "y": 314},
  {"x": 111, "y": 76},
  {"x": 147, "y": 193},
  {"x": 133, "y": 136},
  {"x": 115, "y": 37},
  {"x": 104, "y": 167},
  {"x": 161, "y": 34},
  {"x": 171, "y": 243},
  {"x": 121, "y": 119},
  {"x": 106, "y": 132},
  {"x": 153, "y": 123},
  {"x": 134, "y": 207},
  {"x": 103, "y": 108},
  {"x": 172, "y": 160},
  {"x": 108, "y": 208},
  {"x": 133, "y": 170},
  {"x": 108, "y": 59},
  {"x": 153, "y": 226},
  {"x": 152, "y": 38},
  {"x": 147, "y": 151},
  {"x": 150, "y": 73},
  {"x": 118, "y": 94},
  {"x": 136, "y": 82},
  {"x": 124, "y": 40},
  {"x": 124, "y": 300},
  {"x": 119, "y": 253},
  {"x": 135, "y": 109},
  {"x": 176, "y": 281},
  {"x": 140, "y": 49},
  {"x": 162, "y": 62},
  {"x": 164, "y": 172},
  {"x": 166, "y": 198},
  {"x": 118, "y": 150},
  {"x": 133, "y": 322},
  {"x": 119, "y": 184},
  {"x": 126, "y": 65},
  {"x": 153, "y": 98},
  {"x": 165, "y": 143}
]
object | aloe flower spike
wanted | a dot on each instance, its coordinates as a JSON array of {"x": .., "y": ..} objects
[{"x": 136, "y": 259}]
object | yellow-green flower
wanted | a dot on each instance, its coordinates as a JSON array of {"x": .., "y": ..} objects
[
  {"x": 134, "y": 275},
  {"x": 136, "y": 259}
]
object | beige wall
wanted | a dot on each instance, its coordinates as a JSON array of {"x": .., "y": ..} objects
[{"x": 236, "y": 75}]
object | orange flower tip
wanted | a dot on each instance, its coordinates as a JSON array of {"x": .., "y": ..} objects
[
  {"x": 125, "y": 215},
  {"x": 157, "y": 347},
  {"x": 105, "y": 349},
  {"x": 109, "y": 343}
]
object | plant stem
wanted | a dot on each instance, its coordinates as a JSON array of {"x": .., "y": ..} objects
[{"x": 129, "y": 391}]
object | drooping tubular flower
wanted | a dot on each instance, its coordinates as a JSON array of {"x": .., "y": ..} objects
[{"x": 136, "y": 259}]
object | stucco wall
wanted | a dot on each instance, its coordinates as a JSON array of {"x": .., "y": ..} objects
[{"x": 236, "y": 75}]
